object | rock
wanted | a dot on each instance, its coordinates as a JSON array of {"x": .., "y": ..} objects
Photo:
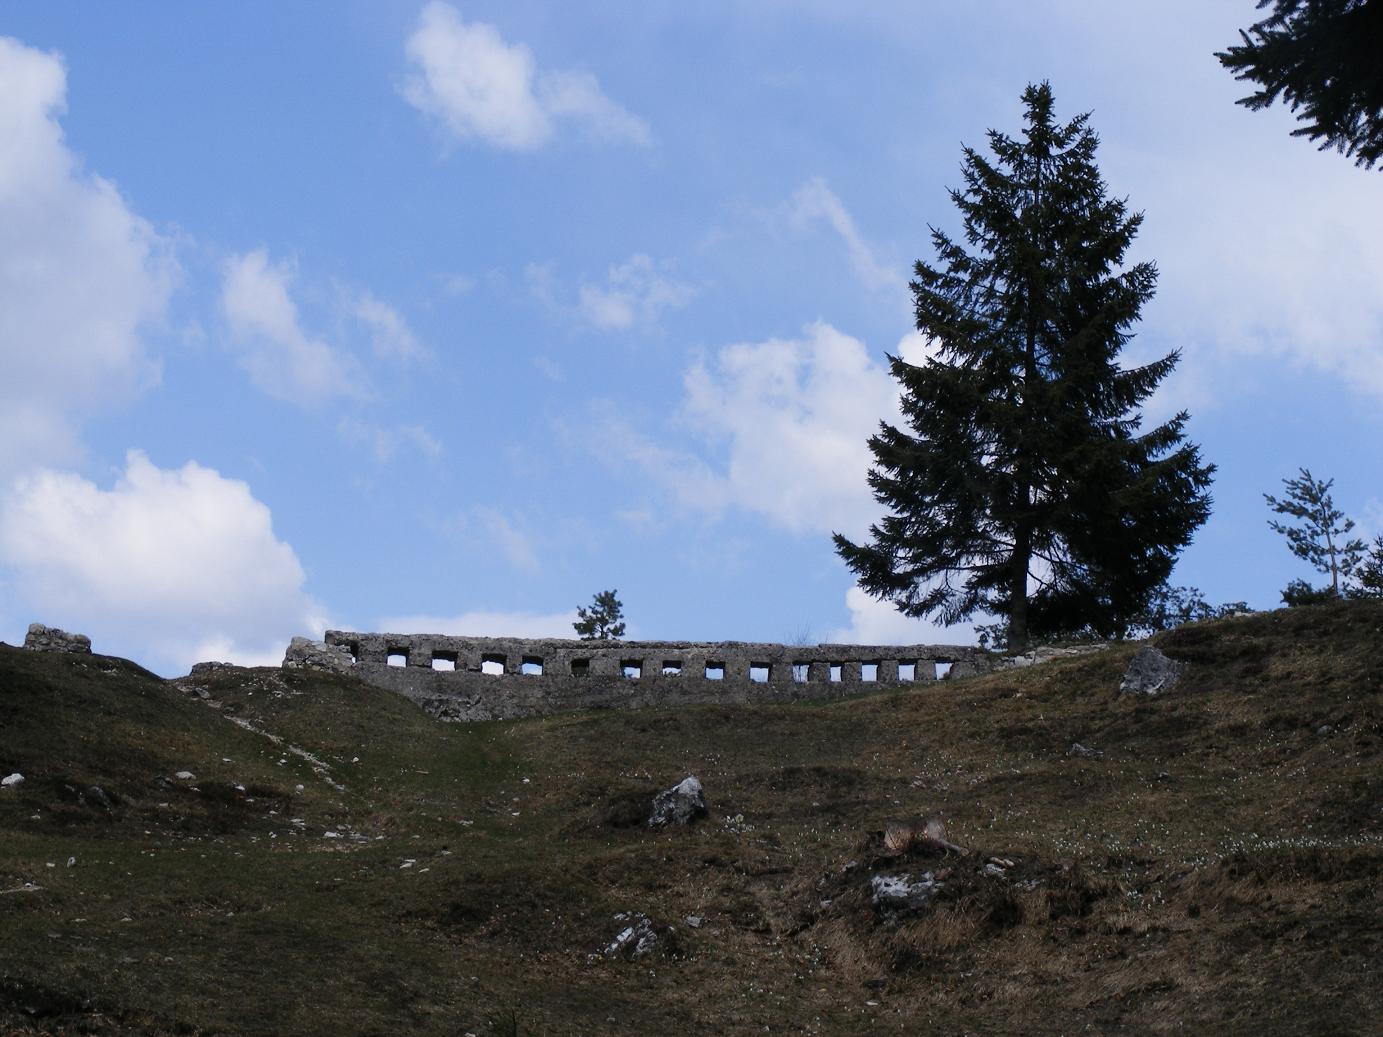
[
  {"x": 204, "y": 669},
  {"x": 694, "y": 921},
  {"x": 50, "y": 639},
  {"x": 680, "y": 805},
  {"x": 1325, "y": 729},
  {"x": 1151, "y": 673},
  {"x": 101, "y": 797},
  {"x": 185, "y": 776},
  {"x": 1084, "y": 751},
  {"x": 901, "y": 893},
  {"x": 640, "y": 936},
  {"x": 305, "y": 654},
  {"x": 11, "y": 779}
]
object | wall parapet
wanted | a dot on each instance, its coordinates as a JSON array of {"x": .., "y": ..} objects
[{"x": 487, "y": 678}]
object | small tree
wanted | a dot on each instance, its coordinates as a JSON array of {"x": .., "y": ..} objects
[
  {"x": 603, "y": 621},
  {"x": 1368, "y": 577},
  {"x": 1324, "y": 57},
  {"x": 1318, "y": 539}
]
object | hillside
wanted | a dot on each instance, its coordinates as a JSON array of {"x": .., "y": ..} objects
[{"x": 340, "y": 863}]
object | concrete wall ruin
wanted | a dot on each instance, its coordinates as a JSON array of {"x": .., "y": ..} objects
[{"x": 475, "y": 678}]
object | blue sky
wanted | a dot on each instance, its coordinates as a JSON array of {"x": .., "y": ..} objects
[{"x": 447, "y": 316}]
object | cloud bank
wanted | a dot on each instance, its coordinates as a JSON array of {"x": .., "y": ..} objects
[{"x": 172, "y": 566}]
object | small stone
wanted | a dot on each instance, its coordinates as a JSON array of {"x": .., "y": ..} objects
[
  {"x": 1150, "y": 672},
  {"x": 1325, "y": 729},
  {"x": 694, "y": 921},
  {"x": 11, "y": 779},
  {"x": 680, "y": 805},
  {"x": 185, "y": 776},
  {"x": 1084, "y": 751}
]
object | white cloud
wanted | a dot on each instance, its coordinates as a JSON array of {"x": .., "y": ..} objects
[
  {"x": 634, "y": 293},
  {"x": 390, "y": 336},
  {"x": 477, "y": 86},
  {"x": 81, "y": 275},
  {"x": 874, "y": 622},
  {"x": 386, "y": 441},
  {"x": 281, "y": 358},
  {"x": 485, "y": 624},
  {"x": 172, "y": 566},
  {"x": 793, "y": 417},
  {"x": 813, "y": 203}
]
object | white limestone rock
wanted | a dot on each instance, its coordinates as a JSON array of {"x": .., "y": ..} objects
[{"x": 680, "y": 805}]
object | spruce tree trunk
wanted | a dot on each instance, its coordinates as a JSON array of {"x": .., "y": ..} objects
[{"x": 1018, "y": 591}]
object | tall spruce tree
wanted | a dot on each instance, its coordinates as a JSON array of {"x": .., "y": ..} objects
[
  {"x": 1026, "y": 487},
  {"x": 1324, "y": 58}
]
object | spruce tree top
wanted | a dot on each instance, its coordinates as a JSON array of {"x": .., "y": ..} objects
[{"x": 1026, "y": 486}]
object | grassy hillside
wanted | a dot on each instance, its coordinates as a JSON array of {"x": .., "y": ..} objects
[{"x": 340, "y": 863}]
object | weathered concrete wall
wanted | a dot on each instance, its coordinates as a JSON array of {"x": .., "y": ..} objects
[{"x": 539, "y": 677}]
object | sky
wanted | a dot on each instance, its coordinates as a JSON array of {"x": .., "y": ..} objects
[{"x": 442, "y": 317}]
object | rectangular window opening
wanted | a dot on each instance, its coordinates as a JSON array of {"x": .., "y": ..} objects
[
  {"x": 715, "y": 671},
  {"x": 398, "y": 657},
  {"x": 444, "y": 661},
  {"x": 837, "y": 671},
  {"x": 801, "y": 672},
  {"x": 492, "y": 664},
  {"x": 869, "y": 672},
  {"x": 943, "y": 670},
  {"x": 580, "y": 667},
  {"x": 631, "y": 668},
  {"x": 760, "y": 672},
  {"x": 907, "y": 671},
  {"x": 672, "y": 668},
  {"x": 532, "y": 666}
]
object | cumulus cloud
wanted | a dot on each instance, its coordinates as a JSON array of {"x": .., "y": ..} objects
[
  {"x": 634, "y": 293},
  {"x": 793, "y": 417},
  {"x": 82, "y": 276},
  {"x": 874, "y": 622},
  {"x": 475, "y": 86},
  {"x": 171, "y": 566},
  {"x": 484, "y": 624},
  {"x": 282, "y": 359}
]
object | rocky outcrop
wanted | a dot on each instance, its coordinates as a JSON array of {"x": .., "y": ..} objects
[
  {"x": 206, "y": 669},
  {"x": 50, "y": 639},
  {"x": 1151, "y": 673},
  {"x": 304, "y": 654},
  {"x": 680, "y": 805}
]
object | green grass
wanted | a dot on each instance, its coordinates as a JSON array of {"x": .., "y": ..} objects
[{"x": 1218, "y": 867}]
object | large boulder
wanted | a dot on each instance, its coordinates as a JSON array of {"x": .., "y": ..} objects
[
  {"x": 1151, "y": 673},
  {"x": 50, "y": 639},
  {"x": 306, "y": 654},
  {"x": 680, "y": 805}
]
